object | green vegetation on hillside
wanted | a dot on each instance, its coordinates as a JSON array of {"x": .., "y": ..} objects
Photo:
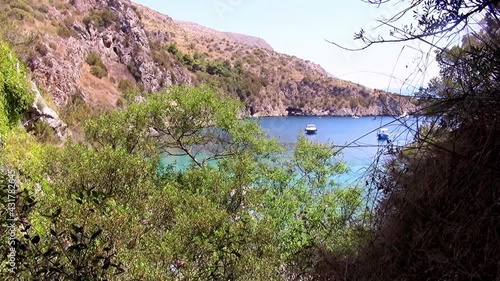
[
  {"x": 15, "y": 91},
  {"x": 101, "y": 19},
  {"x": 263, "y": 79},
  {"x": 103, "y": 205},
  {"x": 100, "y": 209},
  {"x": 439, "y": 213},
  {"x": 221, "y": 73},
  {"x": 97, "y": 67}
]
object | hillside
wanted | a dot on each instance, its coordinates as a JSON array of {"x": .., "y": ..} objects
[{"x": 97, "y": 49}]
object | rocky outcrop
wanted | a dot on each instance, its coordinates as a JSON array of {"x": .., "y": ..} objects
[
  {"x": 40, "y": 112},
  {"x": 124, "y": 47},
  {"x": 310, "y": 97},
  {"x": 131, "y": 40}
]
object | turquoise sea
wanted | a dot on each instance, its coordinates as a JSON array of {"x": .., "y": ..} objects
[{"x": 356, "y": 138}]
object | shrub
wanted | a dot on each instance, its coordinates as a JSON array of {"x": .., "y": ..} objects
[
  {"x": 93, "y": 58},
  {"x": 198, "y": 65},
  {"x": 75, "y": 112},
  {"x": 20, "y": 14},
  {"x": 98, "y": 71},
  {"x": 15, "y": 94},
  {"x": 21, "y": 6},
  {"x": 97, "y": 68},
  {"x": 134, "y": 71},
  {"x": 41, "y": 49},
  {"x": 101, "y": 19},
  {"x": 125, "y": 85},
  {"x": 65, "y": 32},
  {"x": 160, "y": 57},
  {"x": 44, "y": 132},
  {"x": 187, "y": 59}
]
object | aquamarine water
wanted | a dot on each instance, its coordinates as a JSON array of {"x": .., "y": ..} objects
[{"x": 355, "y": 138}]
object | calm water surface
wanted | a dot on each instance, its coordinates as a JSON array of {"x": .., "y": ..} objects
[{"x": 355, "y": 137}]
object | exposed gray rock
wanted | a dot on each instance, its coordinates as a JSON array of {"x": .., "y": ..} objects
[
  {"x": 40, "y": 112},
  {"x": 133, "y": 47},
  {"x": 124, "y": 43}
]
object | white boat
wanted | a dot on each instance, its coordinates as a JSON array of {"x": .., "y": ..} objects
[
  {"x": 311, "y": 129},
  {"x": 404, "y": 115},
  {"x": 355, "y": 115},
  {"x": 383, "y": 134}
]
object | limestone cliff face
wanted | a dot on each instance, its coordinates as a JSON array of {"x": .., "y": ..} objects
[
  {"x": 124, "y": 47},
  {"x": 40, "y": 111},
  {"x": 131, "y": 40},
  {"x": 322, "y": 99}
]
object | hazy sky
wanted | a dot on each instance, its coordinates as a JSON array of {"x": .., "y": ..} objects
[{"x": 299, "y": 28}]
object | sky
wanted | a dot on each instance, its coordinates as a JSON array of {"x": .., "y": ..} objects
[{"x": 300, "y": 28}]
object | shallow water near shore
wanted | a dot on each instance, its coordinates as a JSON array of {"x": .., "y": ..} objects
[{"x": 354, "y": 137}]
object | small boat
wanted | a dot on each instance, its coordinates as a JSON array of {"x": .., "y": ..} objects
[
  {"x": 383, "y": 134},
  {"x": 355, "y": 113},
  {"x": 404, "y": 115},
  {"x": 311, "y": 129}
]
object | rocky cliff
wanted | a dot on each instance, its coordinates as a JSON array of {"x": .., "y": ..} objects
[{"x": 92, "y": 48}]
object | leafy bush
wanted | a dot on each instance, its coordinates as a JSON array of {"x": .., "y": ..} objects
[
  {"x": 97, "y": 68},
  {"x": 172, "y": 48},
  {"x": 101, "y": 19},
  {"x": 44, "y": 132},
  {"x": 187, "y": 60},
  {"x": 160, "y": 55},
  {"x": 98, "y": 71},
  {"x": 65, "y": 32},
  {"x": 107, "y": 210},
  {"x": 15, "y": 93},
  {"x": 75, "y": 112}
]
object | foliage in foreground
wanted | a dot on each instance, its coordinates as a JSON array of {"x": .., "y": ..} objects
[
  {"x": 107, "y": 208},
  {"x": 15, "y": 94},
  {"x": 439, "y": 214}
]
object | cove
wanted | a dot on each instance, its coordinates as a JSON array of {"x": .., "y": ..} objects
[{"x": 356, "y": 138}]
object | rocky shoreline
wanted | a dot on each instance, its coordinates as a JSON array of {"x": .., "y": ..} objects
[{"x": 409, "y": 108}]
